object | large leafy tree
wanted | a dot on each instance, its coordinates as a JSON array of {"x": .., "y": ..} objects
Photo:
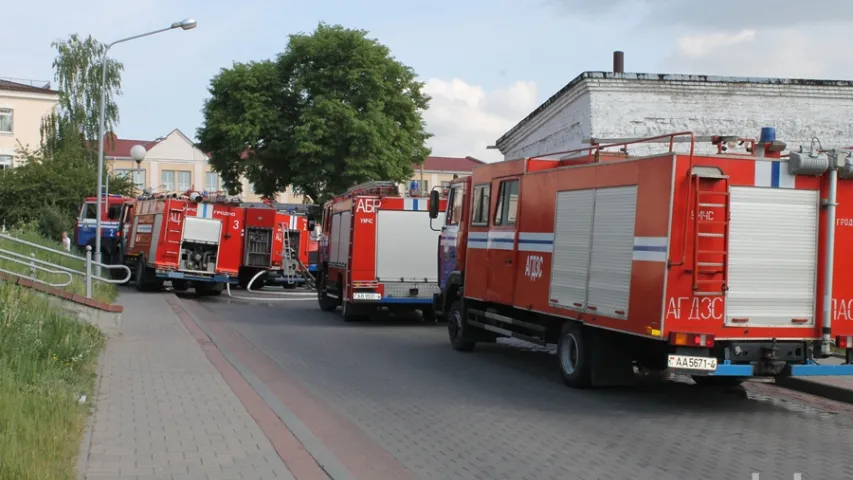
[{"x": 333, "y": 110}]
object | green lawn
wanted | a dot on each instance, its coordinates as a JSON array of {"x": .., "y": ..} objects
[
  {"x": 100, "y": 290},
  {"x": 47, "y": 361}
]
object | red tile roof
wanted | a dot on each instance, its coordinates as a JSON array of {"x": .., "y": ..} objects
[
  {"x": 449, "y": 164},
  {"x": 120, "y": 147}
]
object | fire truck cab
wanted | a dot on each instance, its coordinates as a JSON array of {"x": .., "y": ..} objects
[
  {"x": 189, "y": 239},
  {"x": 376, "y": 252},
  {"x": 718, "y": 266},
  {"x": 85, "y": 226}
]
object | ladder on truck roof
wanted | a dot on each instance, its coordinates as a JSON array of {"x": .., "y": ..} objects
[
  {"x": 710, "y": 232},
  {"x": 377, "y": 187}
]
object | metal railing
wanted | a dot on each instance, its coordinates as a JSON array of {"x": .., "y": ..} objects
[{"x": 36, "y": 265}]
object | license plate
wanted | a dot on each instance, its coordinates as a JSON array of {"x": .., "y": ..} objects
[
  {"x": 683, "y": 362},
  {"x": 366, "y": 296}
]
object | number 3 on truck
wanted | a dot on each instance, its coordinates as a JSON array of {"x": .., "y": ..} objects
[{"x": 533, "y": 270}]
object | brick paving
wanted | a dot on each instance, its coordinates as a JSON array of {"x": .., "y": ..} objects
[
  {"x": 501, "y": 413},
  {"x": 164, "y": 411}
]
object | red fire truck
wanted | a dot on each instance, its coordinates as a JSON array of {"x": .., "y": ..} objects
[
  {"x": 376, "y": 251},
  {"x": 277, "y": 243},
  {"x": 188, "y": 239},
  {"x": 715, "y": 266}
]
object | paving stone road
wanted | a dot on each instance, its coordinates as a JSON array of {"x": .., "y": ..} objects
[{"x": 502, "y": 412}]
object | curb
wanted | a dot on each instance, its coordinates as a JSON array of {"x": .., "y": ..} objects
[
  {"x": 832, "y": 392},
  {"x": 325, "y": 460}
]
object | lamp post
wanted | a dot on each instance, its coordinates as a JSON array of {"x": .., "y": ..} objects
[
  {"x": 137, "y": 153},
  {"x": 186, "y": 24}
]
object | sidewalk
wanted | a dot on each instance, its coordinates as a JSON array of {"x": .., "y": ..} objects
[
  {"x": 164, "y": 411},
  {"x": 835, "y": 388}
]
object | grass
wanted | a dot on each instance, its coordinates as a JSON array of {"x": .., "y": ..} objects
[
  {"x": 47, "y": 361},
  {"x": 102, "y": 291}
]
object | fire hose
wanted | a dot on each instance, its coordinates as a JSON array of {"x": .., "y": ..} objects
[{"x": 292, "y": 296}]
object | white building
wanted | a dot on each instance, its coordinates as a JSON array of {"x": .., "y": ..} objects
[{"x": 611, "y": 107}]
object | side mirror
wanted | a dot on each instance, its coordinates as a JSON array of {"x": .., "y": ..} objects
[{"x": 433, "y": 204}]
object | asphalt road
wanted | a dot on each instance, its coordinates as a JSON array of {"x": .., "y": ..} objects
[{"x": 502, "y": 412}]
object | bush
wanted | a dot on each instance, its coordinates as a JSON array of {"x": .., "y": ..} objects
[
  {"x": 47, "y": 362},
  {"x": 52, "y": 222}
]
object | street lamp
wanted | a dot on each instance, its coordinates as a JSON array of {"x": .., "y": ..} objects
[
  {"x": 137, "y": 153},
  {"x": 186, "y": 24}
]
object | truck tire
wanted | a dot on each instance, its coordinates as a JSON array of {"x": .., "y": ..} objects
[
  {"x": 461, "y": 337},
  {"x": 429, "y": 315},
  {"x": 350, "y": 312},
  {"x": 180, "y": 285},
  {"x": 327, "y": 304},
  {"x": 139, "y": 278},
  {"x": 574, "y": 358}
]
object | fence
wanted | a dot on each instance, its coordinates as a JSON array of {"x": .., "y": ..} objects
[{"x": 35, "y": 265}]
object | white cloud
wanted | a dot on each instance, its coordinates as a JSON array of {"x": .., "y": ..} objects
[
  {"x": 702, "y": 44},
  {"x": 782, "y": 52},
  {"x": 465, "y": 118}
]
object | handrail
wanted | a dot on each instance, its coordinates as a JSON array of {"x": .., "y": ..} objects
[
  {"x": 33, "y": 268},
  {"x": 32, "y": 262},
  {"x": 671, "y": 136},
  {"x": 591, "y": 148}
]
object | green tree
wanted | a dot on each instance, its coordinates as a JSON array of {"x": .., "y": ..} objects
[
  {"x": 77, "y": 70},
  {"x": 333, "y": 110}
]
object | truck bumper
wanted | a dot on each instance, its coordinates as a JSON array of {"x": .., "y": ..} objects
[
  {"x": 809, "y": 369},
  {"x": 190, "y": 277}
]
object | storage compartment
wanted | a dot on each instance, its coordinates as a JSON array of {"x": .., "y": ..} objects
[
  {"x": 772, "y": 257},
  {"x": 405, "y": 246},
  {"x": 258, "y": 247}
]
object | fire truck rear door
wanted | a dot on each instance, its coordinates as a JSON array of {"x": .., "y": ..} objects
[{"x": 500, "y": 277}]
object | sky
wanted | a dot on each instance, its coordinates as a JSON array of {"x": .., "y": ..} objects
[{"x": 486, "y": 64}]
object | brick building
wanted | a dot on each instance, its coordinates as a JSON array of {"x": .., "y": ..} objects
[{"x": 611, "y": 106}]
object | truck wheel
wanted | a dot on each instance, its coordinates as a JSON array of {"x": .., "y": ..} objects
[
  {"x": 348, "y": 311},
  {"x": 458, "y": 329},
  {"x": 140, "y": 280},
  {"x": 712, "y": 381},
  {"x": 180, "y": 285},
  {"x": 327, "y": 304},
  {"x": 575, "y": 365}
]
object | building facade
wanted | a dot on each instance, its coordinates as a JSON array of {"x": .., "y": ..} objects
[
  {"x": 23, "y": 106},
  {"x": 174, "y": 163},
  {"x": 612, "y": 107}
]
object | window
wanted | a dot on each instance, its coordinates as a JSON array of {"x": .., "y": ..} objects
[
  {"x": 507, "y": 205},
  {"x": 185, "y": 181},
  {"x": 114, "y": 212},
  {"x": 423, "y": 185},
  {"x": 211, "y": 182},
  {"x": 5, "y": 120},
  {"x": 5, "y": 162},
  {"x": 454, "y": 212},
  {"x": 136, "y": 176},
  {"x": 88, "y": 211},
  {"x": 445, "y": 185},
  {"x": 167, "y": 178},
  {"x": 480, "y": 209}
]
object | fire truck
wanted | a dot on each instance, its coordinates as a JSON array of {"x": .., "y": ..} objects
[
  {"x": 277, "y": 243},
  {"x": 718, "y": 266},
  {"x": 189, "y": 239},
  {"x": 376, "y": 251},
  {"x": 85, "y": 226}
]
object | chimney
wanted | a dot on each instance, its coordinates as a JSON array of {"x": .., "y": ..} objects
[{"x": 618, "y": 62}]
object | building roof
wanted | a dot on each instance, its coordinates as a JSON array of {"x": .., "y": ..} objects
[
  {"x": 120, "y": 147},
  {"x": 28, "y": 86},
  {"x": 667, "y": 77},
  {"x": 449, "y": 164}
]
